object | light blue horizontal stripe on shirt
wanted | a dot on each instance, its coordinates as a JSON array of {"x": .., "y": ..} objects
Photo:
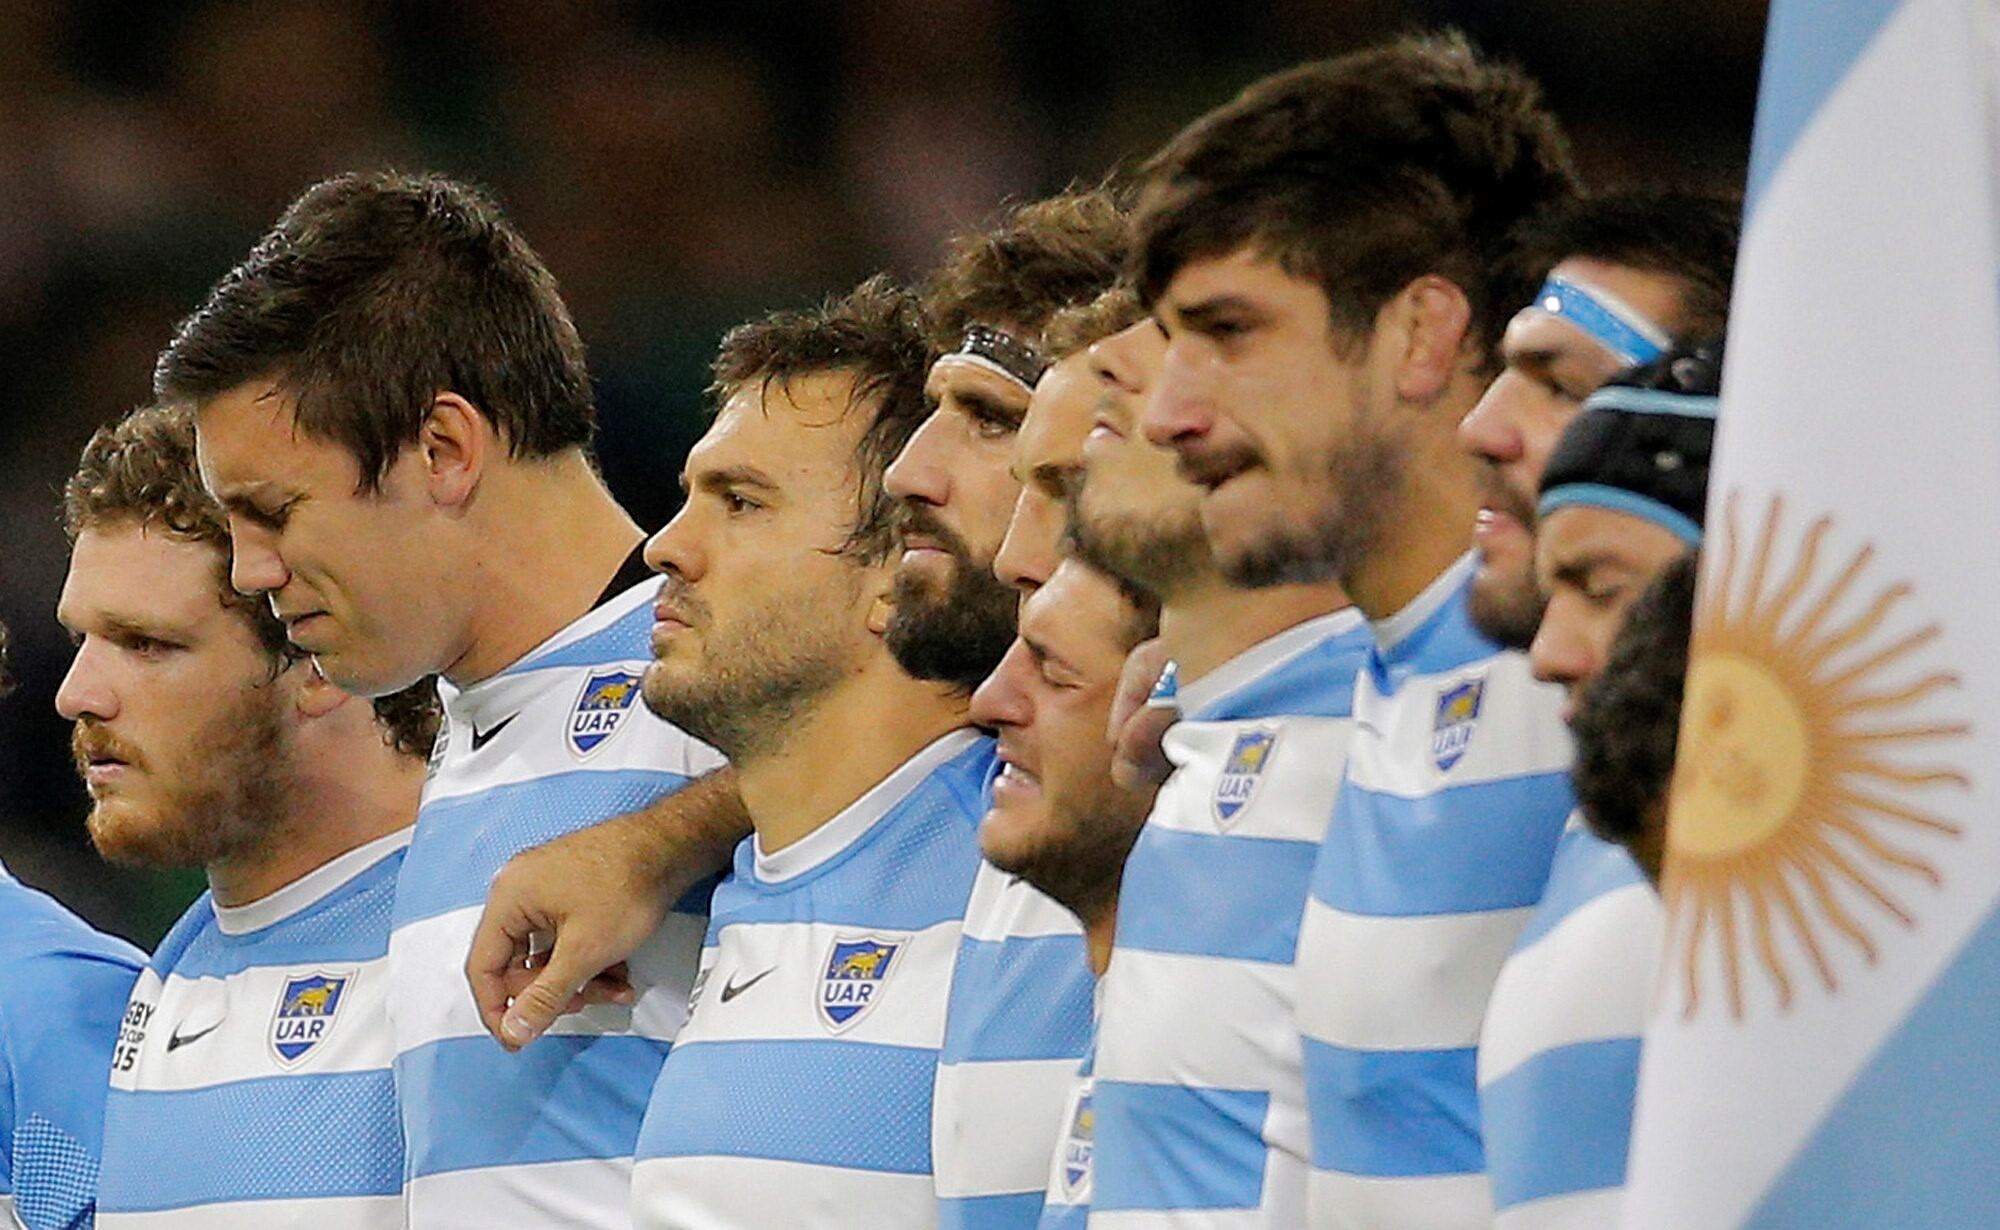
[
  {"x": 349, "y": 926},
  {"x": 1444, "y": 643},
  {"x": 461, "y": 842},
  {"x": 1064, "y": 1217},
  {"x": 627, "y": 639},
  {"x": 1316, "y": 683},
  {"x": 272, "y": 1138},
  {"x": 1485, "y": 846},
  {"x": 1020, "y": 1211},
  {"x": 1164, "y": 1147},
  {"x": 1026, "y": 997},
  {"x": 1561, "y": 1122},
  {"x": 565, "y": 1098},
  {"x": 1585, "y": 868},
  {"x": 1208, "y": 895},
  {"x": 872, "y": 1104},
  {"x": 1393, "y": 1114}
]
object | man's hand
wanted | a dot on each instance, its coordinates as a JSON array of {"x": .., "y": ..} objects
[
  {"x": 562, "y": 918},
  {"x": 1138, "y": 764}
]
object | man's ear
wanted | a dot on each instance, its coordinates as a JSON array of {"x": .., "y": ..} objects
[
  {"x": 881, "y": 605},
  {"x": 1433, "y": 317},
  {"x": 317, "y": 697},
  {"x": 454, "y": 443}
]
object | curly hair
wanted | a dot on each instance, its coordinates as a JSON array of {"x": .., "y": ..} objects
[
  {"x": 1034, "y": 261},
  {"x": 1630, "y": 715},
  {"x": 140, "y": 472},
  {"x": 874, "y": 333}
]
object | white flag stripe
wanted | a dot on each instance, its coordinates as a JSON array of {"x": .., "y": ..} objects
[{"x": 1861, "y": 386}]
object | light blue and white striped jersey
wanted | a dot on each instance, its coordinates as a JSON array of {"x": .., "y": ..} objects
[
  {"x": 1200, "y": 1094},
  {"x": 799, "y": 1093},
  {"x": 1019, "y": 1022},
  {"x": 556, "y": 742},
  {"x": 251, "y": 1086},
  {"x": 1559, "y": 1057},
  {"x": 1072, "y": 1168},
  {"x": 63, "y": 988},
  {"x": 1442, "y": 835}
]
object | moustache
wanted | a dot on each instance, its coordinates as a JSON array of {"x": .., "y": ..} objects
[
  {"x": 918, "y": 521},
  {"x": 1212, "y": 467},
  {"x": 679, "y": 597},
  {"x": 1497, "y": 494},
  {"x": 89, "y": 741}
]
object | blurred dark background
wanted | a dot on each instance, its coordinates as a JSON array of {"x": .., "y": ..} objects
[{"x": 679, "y": 166}]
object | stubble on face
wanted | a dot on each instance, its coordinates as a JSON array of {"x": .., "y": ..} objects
[
  {"x": 225, "y": 799},
  {"x": 749, "y": 682},
  {"x": 1505, "y": 603}
]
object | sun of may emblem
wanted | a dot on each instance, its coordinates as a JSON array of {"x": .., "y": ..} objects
[{"x": 1800, "y": 822}]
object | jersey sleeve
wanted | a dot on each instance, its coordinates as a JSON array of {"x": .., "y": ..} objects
[{"x": 58, "y": 1024}]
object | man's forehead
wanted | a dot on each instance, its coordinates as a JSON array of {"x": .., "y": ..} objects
[
  {"x": 957, "y": 376},
  {"x": 1074, "y": 615},
  {"x": 1059, "y": 413},
  {"x": 1582, "y": 535},
  {"x": 139, "y": 573},
  {"x": 1244, "y": 273}
]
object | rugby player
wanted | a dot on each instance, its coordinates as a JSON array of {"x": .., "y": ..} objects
[
  {"x": 1629, "y": 274},
  {"x": 1329, "y": 255},
  {"x": 1025, "y": 1014},
  {"x": 1056, "y": 818},
  {"x": 830, "y": 945},
  {"x": 1623, "y": 496},
  {"x": 392, "y": 408},
  {"x": 1628, "y": 722},
  {"x": 1021, "y": 993},
  {"x": 251, "y": 1082},
  {"x": 1196, "y": 1045},
  {"x": 63, "y": 987}
]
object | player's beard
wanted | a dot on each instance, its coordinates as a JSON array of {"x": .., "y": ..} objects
[
  {"x": 757, "y": 674},
  {"x": 1077, "y": 856},
  {"x": 956, "y": 634},
  {"x": 1160, "y": 554},
  {"x": 1505, "y": 603},
  {"x": 223, "y": 798},
  {"x": 1355, "y": 496}
]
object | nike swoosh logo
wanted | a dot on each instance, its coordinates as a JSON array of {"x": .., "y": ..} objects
[
  {"x": 731, "y": 989},
  {"x": 177, "y": 1039},
  {"x": 480, "y": 740}
]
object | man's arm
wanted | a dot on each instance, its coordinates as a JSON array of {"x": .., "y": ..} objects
[{"x": 561, "y": 916}]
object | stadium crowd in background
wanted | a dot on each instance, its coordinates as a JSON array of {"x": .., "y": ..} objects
[{"x": 1096, "y": 750}]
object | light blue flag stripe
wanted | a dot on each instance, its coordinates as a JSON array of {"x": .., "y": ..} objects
[
  {"x": 1808, "y": 49},
  {"x": 1926, "y": 1100}
]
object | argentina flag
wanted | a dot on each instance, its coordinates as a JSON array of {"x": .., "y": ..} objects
[{"x": 1820, "y": 1053}]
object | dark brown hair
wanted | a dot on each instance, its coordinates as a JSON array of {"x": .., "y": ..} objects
[
  {"x": 875, "y": 334},
  {"x": 1690, "y": 237},
  {"x": 1075, "y": 328},
  {"x": 1364, "y": 173},
  {"x": 1035, "y": 260},
  {"x": 140, "y": 471},
  {"x": 373, "y": 294}
]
